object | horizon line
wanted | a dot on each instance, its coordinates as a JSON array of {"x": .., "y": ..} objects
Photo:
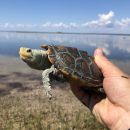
[{"x": 59, "y": 32}]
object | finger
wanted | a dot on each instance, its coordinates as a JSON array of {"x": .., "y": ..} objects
[
  {"x": 88, "y": 97},
  {"x": 108, "y": 69}
]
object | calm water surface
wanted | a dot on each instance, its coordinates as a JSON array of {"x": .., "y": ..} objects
[{"x": 115, "y": 46}]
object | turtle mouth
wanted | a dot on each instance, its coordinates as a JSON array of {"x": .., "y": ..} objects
[{"x": 23, "y": 57}]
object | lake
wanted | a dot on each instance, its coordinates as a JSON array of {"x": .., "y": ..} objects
[{"x": 114, "y": 46}]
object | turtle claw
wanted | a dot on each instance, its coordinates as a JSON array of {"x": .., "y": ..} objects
[{"x": 55, "y": 72}]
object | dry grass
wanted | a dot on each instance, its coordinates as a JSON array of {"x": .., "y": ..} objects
[
  {"x": 24, "y": 105},
  {"x": 32, "y": 111}
]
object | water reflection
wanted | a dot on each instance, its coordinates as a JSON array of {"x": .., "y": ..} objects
[{"x": 115, "y": 46}]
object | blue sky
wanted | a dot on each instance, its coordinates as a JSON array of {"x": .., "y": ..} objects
[{"x": 66, "y": 15}]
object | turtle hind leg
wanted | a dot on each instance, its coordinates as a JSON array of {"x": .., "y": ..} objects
[{"x": 46, "y": 80}]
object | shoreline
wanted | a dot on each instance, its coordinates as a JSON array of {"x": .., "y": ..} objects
[
  {"x": 76, "y": 33},
  {"x": 12, "y": 63}
]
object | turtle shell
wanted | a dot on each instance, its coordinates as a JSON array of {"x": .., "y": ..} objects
[{"x": 75, "y": 64}]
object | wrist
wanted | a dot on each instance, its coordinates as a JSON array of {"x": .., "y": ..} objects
[{"x": 123, "y": 123}]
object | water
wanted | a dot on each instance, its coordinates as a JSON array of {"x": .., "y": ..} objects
[{"x": 115, "y": 46}]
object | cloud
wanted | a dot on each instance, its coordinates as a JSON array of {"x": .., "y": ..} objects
[
  {"x": 60, "y": 25},
  {"x": 123, "y": 22},
  {"x": 6, "y": 25},
  {"x": 26, "y": 25},
  {"x": 20, "y": 25},
  {"x": 104, "y": 20},
  {"x": 106, "y": 17},
  {"x": 73, "y": 25},
  {"x": 55, "y": 25},
  {"x": 15, "y": 26},
  {"x": 48, "y": 24}
]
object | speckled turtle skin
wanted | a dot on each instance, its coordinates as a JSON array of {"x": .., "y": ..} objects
[{"x": 76, "y": 65}]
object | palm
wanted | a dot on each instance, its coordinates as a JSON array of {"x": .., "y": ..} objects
[
  {"x": 113, "y": 106},
  {"x": 109, "y": 112}
]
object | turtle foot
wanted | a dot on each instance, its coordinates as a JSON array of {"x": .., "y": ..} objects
[{"x": 46, "y": 80}]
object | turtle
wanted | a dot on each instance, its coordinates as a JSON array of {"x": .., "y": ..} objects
[{"x": 75, "y": 65}]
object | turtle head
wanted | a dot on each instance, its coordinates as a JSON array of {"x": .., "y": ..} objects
[{"x": 36, "y": 59}]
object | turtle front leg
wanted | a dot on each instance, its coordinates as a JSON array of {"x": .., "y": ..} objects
[{"x": 46, "y": 80}]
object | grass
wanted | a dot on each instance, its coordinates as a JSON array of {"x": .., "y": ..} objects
[
  {"x": 24, "y": 105},
  {"x": 32, "y": 111}
]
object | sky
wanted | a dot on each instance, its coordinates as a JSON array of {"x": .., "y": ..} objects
[{"x": 106, "y": 16}]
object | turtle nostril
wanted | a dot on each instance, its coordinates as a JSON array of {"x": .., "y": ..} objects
[{"x": 29, "y": 50}]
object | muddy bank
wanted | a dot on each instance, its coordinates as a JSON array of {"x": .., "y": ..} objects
[{"x": 16, "y": 76}]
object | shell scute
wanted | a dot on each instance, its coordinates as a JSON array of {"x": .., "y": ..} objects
[
  {"x": 84, "y": 54},
  {"x": 60, "y": 48},
  {"x": 95, "y": 72},
  {"x": 74, "y": 52},
  {"x": 82, "y": 67},
  {"x": 68, "y": 70},
  {"x": 68, "y": 60},
  {"x": 59, "y": 64},
  {"x": 76, "y": 74}
]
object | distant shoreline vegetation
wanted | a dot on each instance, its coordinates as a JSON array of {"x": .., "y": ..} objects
[{"x": 78, "y": 33}]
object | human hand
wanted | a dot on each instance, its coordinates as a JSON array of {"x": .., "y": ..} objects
[{"x": 112, "y": 111}]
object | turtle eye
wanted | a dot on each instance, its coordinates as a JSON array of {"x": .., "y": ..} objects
[{"x": 29, "y": 50}]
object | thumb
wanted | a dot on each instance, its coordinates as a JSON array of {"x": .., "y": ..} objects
[
  {"x": 115, "y": 83},
  {"x": 108, "y": 68}
]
